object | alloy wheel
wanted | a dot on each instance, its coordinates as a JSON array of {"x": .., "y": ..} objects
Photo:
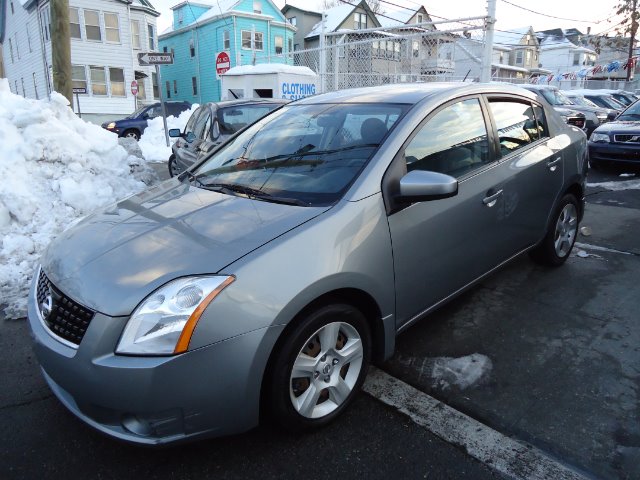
[
  {"x": 566, "y": 229},
  {"x": 326, "y": 370}
]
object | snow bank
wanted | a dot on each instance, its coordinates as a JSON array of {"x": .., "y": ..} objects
[
  {"x": 153, "y": 143},
  {"x": 618, "y": 186},
  {"x": 55, "y": 169}
]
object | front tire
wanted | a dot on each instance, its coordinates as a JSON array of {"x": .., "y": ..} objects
[
  {"x": 131, "y": 133},
  {"x": 557, "y": 244},
  {"x": 319, "y": 367},
  {"x": 173, "y": 166}
]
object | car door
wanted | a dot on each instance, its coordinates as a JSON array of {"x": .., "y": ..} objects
[
  {"x": 534, "y": 167},
  {"x": 189, "y": 150},
  {"x": 440, "y": 246}
]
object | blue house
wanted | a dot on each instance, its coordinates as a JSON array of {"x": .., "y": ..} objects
[{"x": 249, "y": 31}]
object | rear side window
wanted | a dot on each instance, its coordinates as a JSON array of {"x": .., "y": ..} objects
[
  {"x": 516, "y": 124},
  {"x": 454, "y": 141}
]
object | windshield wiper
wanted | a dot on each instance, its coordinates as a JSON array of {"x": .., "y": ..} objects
[
  {"x": 192, "y": 178},
  {"x": 253, "y": 193}
]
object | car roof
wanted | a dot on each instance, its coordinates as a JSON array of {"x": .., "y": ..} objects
[
  {"x": 410, "y": 93},
  {"x": 585, "y": 91},
  {"x": 533, "y": 86}
]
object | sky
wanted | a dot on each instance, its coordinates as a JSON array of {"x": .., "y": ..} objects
[{"x": 590, "y": 13}]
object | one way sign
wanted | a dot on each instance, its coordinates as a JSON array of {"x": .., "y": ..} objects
[{"x": 147, "y": 58}]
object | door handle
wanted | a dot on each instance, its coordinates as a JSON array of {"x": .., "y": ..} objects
[
  {"x": 492, "y": 199},
  {"x": 553, "y": 164}
]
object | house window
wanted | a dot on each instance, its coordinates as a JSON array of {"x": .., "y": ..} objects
[
  {"x": 154, "y": 83},
  {"x": 15, "y": 39},
  {"x": 576, "y": 59},
  {"x": 257, "y": 43},
  {"x": 78, "y": 76},
  {"x": 17, "y": 92},
  {"x": 165, "y": 49},
  {"x": 112, "y": 27},
  {"x": 296, "y": 47},
  {"x": 519, "y": 56},
  {"x": 528, "y": 57},
  {"x": 173, "y": 53},
  {"x": 257, "y": 6},
  {"x": 12, "y": 11},
  {"x": 226, "y": 40},
  {"x": 415, "y": 47},
  {"x": 168, "y": 85},
  {"x": 293, "y": 21},
  {"x": 135, "y": 34},
  {"x": 502, "y": 58},
  {"x": 35, "y": 86},
  {"x": 92, "y": 25},
  {"x": 175, "y": 87},
  {"x": 98, "y": 81},
  {"x": 46, "y": 23},
  {"x": 246, "y": 40},
  {"x": 22, "y": 82},
  {"x": 11, "y": 52},
  {"x": 141, "y": 92},
  {"x": 420, "y": 18},
  {"x": 116, "y": 78},
  {"x": 535, "y": 57},
  {"x": 359, "y": 21},
  {"x": 194, "y": 85},
  {"x": 152, "y": 43},
  {"x": 279, "y": 43},
  {"x": 192, "y": 48},
  {"x": 289, "y": 44},
  {"x": 74, "y": 23},
  {"x": 257, "y": 40}
]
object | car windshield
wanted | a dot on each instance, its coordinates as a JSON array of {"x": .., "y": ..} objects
[
  {"x": 608, "y": 101},
  {"x": 555, "y": 97},
  {"x": 301, "y": 154},
  {"x": 234, "y": 118},
  {"x": 138, "y": 112},
  {"x": 583, "y": 101},
  {"x": 631, "y": 114}
]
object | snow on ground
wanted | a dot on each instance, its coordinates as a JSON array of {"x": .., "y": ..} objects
[
  {"x": 460, "y": 372},
  {"x": 153, "y": 142},
  {"x": 55, "y": 169},
  {"x": 617, "y": 186}
]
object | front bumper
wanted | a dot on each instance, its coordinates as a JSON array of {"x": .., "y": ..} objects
[
  {"x": 614, "y": 154},
  {"x": 210, "y": 391}
]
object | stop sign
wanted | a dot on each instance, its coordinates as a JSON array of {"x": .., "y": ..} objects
[
  {"x": 222, "y": 63},
  {"x": 134, "y": 87}
]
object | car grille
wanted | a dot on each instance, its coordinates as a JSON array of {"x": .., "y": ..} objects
[
  {"x": 627, "y": 138},
  {"x": 65, "y": 318}
]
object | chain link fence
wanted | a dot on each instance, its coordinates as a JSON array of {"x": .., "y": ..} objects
[{"x": 423, "y": 52}]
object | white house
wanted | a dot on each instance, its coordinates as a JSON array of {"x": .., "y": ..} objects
[
  {"x": 106, "y": 36},
  {"x": 560, "y": 55}
]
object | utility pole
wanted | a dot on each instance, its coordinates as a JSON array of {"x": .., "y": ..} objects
[
  {"x": 633, "y": 30},
  {"x": 61, "y": 48},
  {"x": 487, "y": 55}
]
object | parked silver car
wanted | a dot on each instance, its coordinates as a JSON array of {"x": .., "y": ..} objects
[{"x": 265, "y": 281}]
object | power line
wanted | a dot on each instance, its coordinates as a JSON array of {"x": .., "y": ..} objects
[{"x": 553, "y": 16}]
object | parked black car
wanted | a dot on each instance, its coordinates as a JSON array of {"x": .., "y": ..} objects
[
  {"x": 601, "y": 98},
  {"x": 213, "y": 123},
  {"x": 134, "y": 125},
  {"x": 617, "y": 144}
]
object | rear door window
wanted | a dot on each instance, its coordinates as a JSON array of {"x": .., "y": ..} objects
[
  {"x": 516, "y": 124},
  {"x": 454, "y": 141}
]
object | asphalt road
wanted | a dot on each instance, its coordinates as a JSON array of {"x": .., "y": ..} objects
[{"x": 565, "y": 377}]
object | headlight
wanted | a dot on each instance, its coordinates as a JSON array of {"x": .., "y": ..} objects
[
  {"x": 599, "y": 137},
  {"x": 164, "y": 322},
  {"x": 112, "y": 125}
]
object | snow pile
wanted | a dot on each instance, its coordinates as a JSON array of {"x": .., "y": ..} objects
[
  {"x": 153, "y": 142},
  {"x": 461, "y": 372},
  {"x": 55, "y": 169},
  {"x": 618, "y": 186},
  {"x": 266, "y": 68}
]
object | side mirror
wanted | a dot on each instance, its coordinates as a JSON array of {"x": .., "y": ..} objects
[
  {"x": 175, "y": 133},
  {"x": 423, "y": 185}
]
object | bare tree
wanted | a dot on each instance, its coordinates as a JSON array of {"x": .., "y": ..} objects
[
  {"x": 629, "y": 8},
  {"x": 375, "y": 6}
]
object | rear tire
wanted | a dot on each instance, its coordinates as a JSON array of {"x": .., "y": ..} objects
[
  {"x": 557, "y": 244},
  {"x": 319, "y": 368}
]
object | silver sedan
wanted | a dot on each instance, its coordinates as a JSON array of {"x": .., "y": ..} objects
[{"x": 262, "y": 282}]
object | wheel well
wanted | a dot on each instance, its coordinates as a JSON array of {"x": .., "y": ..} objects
[
  {"x": 351, "y": 296},
  {"x": 132, "y": 129}
]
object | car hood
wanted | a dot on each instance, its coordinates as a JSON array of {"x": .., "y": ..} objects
[
  {"x": 114, "y": 258},
  {"x": 619, "y": 127}
]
